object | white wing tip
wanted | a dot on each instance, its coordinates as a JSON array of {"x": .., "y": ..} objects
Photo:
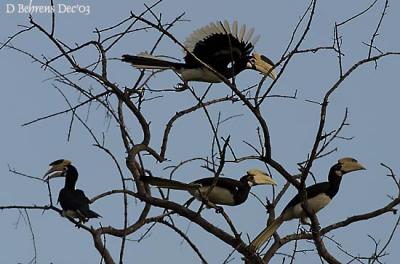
[{"x": 221, "y": 27}]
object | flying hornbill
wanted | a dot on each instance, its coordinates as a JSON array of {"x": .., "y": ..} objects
[
  {"x": 227, "y": 49},
  {"x": 73, "y": 201},
  {"x": 225, "y": 192},
  {"x": 318, "y": 196}
]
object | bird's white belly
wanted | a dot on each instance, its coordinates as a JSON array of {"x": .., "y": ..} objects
[
  {"x": 70, "y": 213},
  {"x": 315, "y": 204},
  {"x": 200, "y": 75},
  {"x": 217, "y": 195}
]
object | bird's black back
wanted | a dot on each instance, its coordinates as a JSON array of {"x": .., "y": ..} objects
[
  {"x": 238, "y": 189},
  {"x": 218, "y": 50},
  {"x": 71, "y": 199},
  {"x": 312, "y": 191}
]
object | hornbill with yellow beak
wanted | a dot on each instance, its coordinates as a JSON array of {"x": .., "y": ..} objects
[
  {"x": 318, "y": 196},
  {"x": 73, "y": 201},
  {"x": 226, "y": 191},
  {"x": 225, "y": 48}
]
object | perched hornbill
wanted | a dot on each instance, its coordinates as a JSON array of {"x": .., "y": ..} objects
[
  {"x": 318, "y": 196},
  {"x": 225, "y": 192},
  {"x": 227, "y": 49},
  {"x": 73, "y": 201}
]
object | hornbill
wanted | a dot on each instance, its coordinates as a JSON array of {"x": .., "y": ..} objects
[
  {"x": 227, "y": 49},
  {"x": 73, "y": 201},
  {"x": 318, "y": 196},
  {"x": 226, "y": 191}
]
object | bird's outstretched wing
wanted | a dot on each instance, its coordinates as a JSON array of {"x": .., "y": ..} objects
[{"x": 219, "y": 44}]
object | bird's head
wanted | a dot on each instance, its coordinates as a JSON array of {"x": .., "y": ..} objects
[
  {"x": 57, "y": 169},
  {"x": 258, "y": 177},
  {"x": 346, "y": 165},
  {"x": 262, "y": 64}
]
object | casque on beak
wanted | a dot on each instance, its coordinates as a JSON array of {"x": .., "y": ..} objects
[
  {"x": 260, "y": 177},
  {"x": 264, "y": 65},
  {"x": 56, "y": 169},
  {"x": 350, "y": 164}
]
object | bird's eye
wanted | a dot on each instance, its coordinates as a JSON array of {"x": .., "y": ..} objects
[{"x": 252, "y": 61}]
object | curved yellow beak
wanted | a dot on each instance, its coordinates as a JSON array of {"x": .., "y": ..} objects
[
  {"x": 260, "y": 177},
  {"x": 57, "y": 167},
  {"x": 349, "y": 164},
  {"x": 263, "y": 65}
]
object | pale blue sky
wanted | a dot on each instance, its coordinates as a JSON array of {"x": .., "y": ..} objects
[{"x": 370, "y": 94}]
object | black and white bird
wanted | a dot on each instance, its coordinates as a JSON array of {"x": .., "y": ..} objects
[
  {"x": 73, "y": 201},
  {"x": 226, "y": 191},
  {"x": 225, "y": 48},
  {"x": 318, "y": 196}
]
